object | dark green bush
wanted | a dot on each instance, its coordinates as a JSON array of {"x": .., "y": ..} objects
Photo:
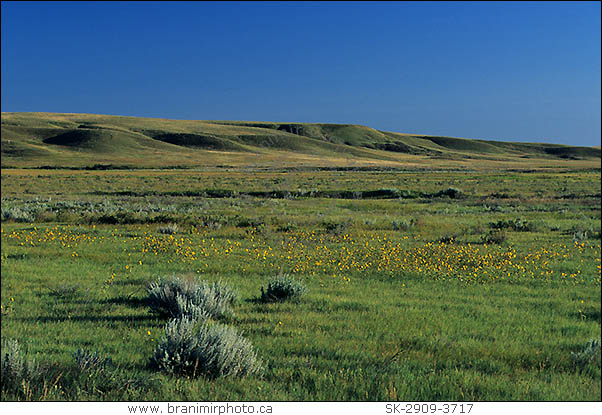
[
  {"x": 337, "y": 228},
  {"x": 494, "y": 237},
  {"x": 282, "y": 288},
  {"x": 447, "y": 239},
  {"x": 450, "y": 192}
]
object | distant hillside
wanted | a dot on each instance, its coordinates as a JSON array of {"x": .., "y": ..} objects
[{"x": 49, "y": 139}]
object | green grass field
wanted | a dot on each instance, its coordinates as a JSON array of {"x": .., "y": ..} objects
[{"x": 465, "y": 275}]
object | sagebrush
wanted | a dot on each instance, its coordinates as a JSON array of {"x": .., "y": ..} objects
[
  {"x": 18, "y": 373},
  {"x": 192, "y": 349},
  {"x": 177, "y": 297}
]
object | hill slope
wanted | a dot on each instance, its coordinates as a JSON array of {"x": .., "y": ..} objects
[{"x": 36, "y": 139}]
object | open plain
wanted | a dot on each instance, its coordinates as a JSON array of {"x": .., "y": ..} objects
[{"x": 435, "y": 268}]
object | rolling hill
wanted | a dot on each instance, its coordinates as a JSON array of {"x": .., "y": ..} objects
[{"x": 76, "y": 140}]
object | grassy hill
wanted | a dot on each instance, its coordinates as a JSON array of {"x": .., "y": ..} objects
[{"x": 75, "y": 140}]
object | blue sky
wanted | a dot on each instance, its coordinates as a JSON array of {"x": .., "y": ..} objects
[{"x": 509, "y": 71}]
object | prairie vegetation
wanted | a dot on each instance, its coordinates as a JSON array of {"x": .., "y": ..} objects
[
  {"x": 102, "y": 142},
  {"x": 273, "y": 283}
]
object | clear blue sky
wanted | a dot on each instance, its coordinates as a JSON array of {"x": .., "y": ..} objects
[{"x": 510, "y": 71}]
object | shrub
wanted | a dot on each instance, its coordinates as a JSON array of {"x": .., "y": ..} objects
[
  {"x": 178, "y": 297},
  {"x": 87, "y": 361},
  {"x": 187, "y": 307},
  {"x": 282, "y": 288},
  {"x": 582, "y": 231},
  {"x": 18, "y": 214},
  {"x": 518, "y": 225},
  {"x": 590, "y": 355},
  {"x": 213, "y": 225},
  {"x": 499, "y": 195},
  {"x": 174, "y": 353},
  {"x": 289, "y": 227},
  {"x": 18, "y": 374},
  {"x": 579, "y": 236},
  {"x": 494, "y": 237},
  {"x": 250, "y": 223},
  {"x": 384, "y": 193},
  {"x": 337, "y": 228},
  {"x": 448, "y": 238},
  {"x": 162, "y": 295},
  {"x": 450, "y": 192},
  {"x": 214, "y": 351},
  {"x": 403, "y": 224},
  {"x": 169, "y": 229}
]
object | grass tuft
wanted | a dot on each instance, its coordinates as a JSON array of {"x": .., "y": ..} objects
[{"x": 87, "y": 361}]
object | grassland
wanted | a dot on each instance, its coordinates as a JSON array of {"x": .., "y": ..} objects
[
  {"x": 472, "y": 277},
  {"x": 80, "y": 140}
]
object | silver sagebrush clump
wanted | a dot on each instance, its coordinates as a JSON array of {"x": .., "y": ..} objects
[
  {"x": 191, "y": 348},
  {"x": 178, "y": 297}
]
